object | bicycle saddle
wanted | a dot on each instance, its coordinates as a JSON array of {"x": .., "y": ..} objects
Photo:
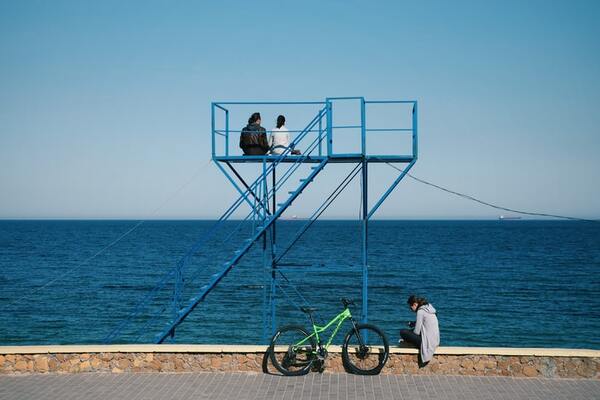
[{"x": 308, "y": 310}]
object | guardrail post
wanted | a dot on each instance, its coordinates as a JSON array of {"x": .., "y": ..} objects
[
  {"x": 415, "y": 131},
  {"x": 212, "y": 114},
  {"x": 329, "y": 129},
  {"x": 365, "y": 221},
  {"x": 227, "y": 133},
  {"x": 363, "y": 127}
]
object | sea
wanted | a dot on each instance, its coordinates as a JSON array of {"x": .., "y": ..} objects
[{"x": 504, "y": 283}]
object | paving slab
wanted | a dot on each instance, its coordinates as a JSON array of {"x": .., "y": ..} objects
[{"x": 241, "y": 386}]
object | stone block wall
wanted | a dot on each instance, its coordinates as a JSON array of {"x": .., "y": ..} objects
[{"x": 480, "y": 365}]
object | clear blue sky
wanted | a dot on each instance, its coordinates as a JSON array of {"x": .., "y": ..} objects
[{"x": 105, "y": 105}]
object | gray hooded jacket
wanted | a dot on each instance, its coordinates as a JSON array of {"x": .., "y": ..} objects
[{"x": 427, "y": 326}]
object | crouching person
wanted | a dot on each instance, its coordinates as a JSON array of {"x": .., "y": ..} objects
[{"x": 426, "y": 332}]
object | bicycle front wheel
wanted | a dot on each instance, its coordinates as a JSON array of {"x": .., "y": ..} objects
[
  {"x": 365, "y": 350},
  {"x": 292, "y": 350}
]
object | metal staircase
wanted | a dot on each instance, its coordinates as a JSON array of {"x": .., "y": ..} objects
[{"x": 277, "y": 174}]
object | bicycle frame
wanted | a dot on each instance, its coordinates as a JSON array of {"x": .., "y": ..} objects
[{"x": 339, "y": 320}]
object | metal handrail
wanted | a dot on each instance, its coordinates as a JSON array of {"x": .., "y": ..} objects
[{"x": 328, "y": 102}]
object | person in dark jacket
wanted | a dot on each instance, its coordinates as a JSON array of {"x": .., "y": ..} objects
[{"x": 253, "y": 139}]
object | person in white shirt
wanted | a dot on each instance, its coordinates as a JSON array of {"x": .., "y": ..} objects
[{"x": 280, "y": 138}]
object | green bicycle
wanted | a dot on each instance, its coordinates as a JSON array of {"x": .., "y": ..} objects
[{"x": 294, "y": 351}]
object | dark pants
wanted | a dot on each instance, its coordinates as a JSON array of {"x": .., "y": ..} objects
[
  {"x": 254, "y": 151},
  {"x": 411, "y": 337}
]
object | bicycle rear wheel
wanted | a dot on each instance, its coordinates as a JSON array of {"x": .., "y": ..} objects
[
  {"x": 365, "y": 350},
  {"x": 292, "y": 351}
]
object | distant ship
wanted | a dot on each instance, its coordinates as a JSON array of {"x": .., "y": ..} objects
[
  {"x": 293, "y": 217},
  {"x": 504, "y": 217}
]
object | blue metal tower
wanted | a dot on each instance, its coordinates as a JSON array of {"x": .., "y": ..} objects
[{"x": 269, "y": 194}]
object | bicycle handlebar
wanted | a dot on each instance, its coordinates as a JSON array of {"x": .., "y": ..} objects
[{"x": 347, "y": 302}]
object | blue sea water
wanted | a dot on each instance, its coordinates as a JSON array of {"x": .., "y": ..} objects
[{"x": 494, "y": 283}]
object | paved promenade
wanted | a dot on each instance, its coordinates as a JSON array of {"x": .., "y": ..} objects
[{"x": 220, "y": 386}]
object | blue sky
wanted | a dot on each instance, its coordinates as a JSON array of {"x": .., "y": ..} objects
[{"x": 105, "y": 106}]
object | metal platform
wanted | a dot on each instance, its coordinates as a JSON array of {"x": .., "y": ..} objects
[{"x": 339, "y": 158}]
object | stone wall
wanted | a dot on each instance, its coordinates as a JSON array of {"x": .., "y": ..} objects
[{"x": 442, "y": 364}]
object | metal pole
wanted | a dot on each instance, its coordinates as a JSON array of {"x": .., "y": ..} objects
[
  {"x": 264, "y": 201},
  {"x": 329, "y": 129},
  {"x": 273, "y": 261},
  {"x": 415, "y": 131},
  {"x": 320, "y": 133},
  {"x": 212, "y": 124},
  {"x": 365, "y": 220},
  {"x": 363, "y": 132},
  {"x": 227, "y": 133}
]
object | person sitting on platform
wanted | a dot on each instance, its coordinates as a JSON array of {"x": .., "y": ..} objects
[
  {"x": 253, "y": 139},
  {"x": 426, "y": 332},
  {"x": 280, "y": 138}
]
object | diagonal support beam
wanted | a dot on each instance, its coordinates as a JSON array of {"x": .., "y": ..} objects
[
  {"x": 258, "y": 199},
  {"x": 391, "y": 188},
  {"x": 243, "y": 194}
]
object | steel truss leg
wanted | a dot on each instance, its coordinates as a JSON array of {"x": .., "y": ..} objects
[
  {"x": 273, "y": 262},
  {"x": 365, "y": 222}
]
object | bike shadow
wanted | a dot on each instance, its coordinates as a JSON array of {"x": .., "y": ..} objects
[
  {"x": 265, "y": 365},
  {"x": 266, "y": 362}
]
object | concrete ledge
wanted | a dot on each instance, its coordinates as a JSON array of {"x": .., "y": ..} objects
[
  {"x": 478, "y": 361},
  {"x": 245, "y": 349}
]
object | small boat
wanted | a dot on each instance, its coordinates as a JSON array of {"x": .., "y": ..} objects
[{"x": 504, "y": 217}]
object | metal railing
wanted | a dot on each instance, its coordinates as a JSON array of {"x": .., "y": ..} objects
[{"x": 224, "y": 136}]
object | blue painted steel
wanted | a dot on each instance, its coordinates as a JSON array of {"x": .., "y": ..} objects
[
  {"x": 364, "y": 159},
  {"x": 219, "y": 106},
  {"x": 415, "y": 131},
  {"x": 213, "y": 129},
  {"x": 365, "y": 248},
  {"x": 259, "y": 103},
  {"x": 391, "y": 188},
  {"x": 345, "y": 98},
  {"x": 390, "y": 101},
  {"x": 273, "y": 252},
  {"x": 259, "y": 195},
  {"x": 320, "y": 134},
  {"x": 363, "y": 127},
  {"x": 244, "y": 194},
  {"x": 223, "y": 131},
  {"x": 259, "y": 213},
  {"x": 227, "y": 132},
  {"x": 184, "y": 312},
  {"x": 319, "y": 211},
  {"x": 390, "y": 130},
  {"x": 329, "y": 128},
  {"x": 347, "y": 126}
]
